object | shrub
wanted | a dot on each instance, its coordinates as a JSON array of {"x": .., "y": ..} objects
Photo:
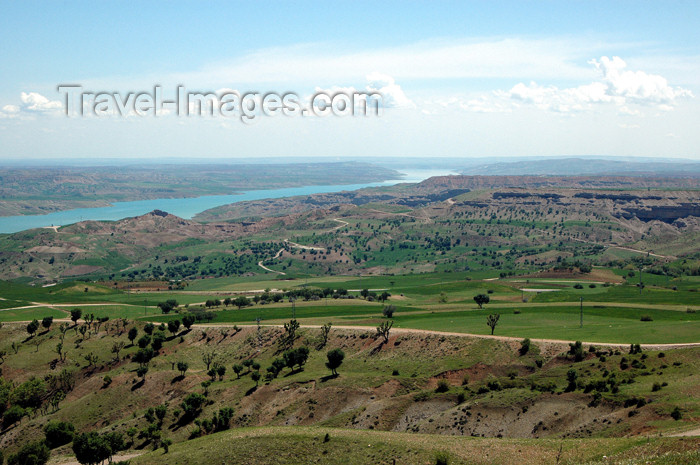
[
  {"x": 676, "y": 414},
  {"x": 524, "y": 346},
  {"x": 656, "y": 387},
  {"x": 388, "y": 311},
  {"x": 576, "y": 349},
  {"x": 539, "y": 362},
  {"x": 578, "y": 286},
  {"x": 441, "y": 458},
  {"x": 646, "y": 318},
  {"x": 58, "y": 433},
  {"x": 34, "y": 453},
  {"x": 443, "y": 386},
  {"x": 395, "y": 372}
]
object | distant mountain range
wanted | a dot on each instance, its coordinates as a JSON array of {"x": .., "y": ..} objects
[{"x": 585, "y": 167}]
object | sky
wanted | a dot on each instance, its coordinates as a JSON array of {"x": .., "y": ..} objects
[{"x": 457, "y": 79}]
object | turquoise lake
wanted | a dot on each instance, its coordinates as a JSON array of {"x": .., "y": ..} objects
[{"x": 186, "y": 207}]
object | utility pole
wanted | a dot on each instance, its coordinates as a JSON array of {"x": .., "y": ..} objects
[{"x": 581, "y": 303}]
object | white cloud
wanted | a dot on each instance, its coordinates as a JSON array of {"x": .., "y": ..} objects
[
  {"x": 637, "y": 86},
  {"x": 617, "y": 86},
  {"x": 33, "y": 101},
  {"x": 392, "y": 94}
]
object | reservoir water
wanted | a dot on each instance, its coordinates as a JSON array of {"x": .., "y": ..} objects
[{"x": 187, "y": 207}]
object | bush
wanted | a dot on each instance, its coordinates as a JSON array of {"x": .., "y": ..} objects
[
  {"x": 443, "y": 386},
  {"x": 441, "y": 458},
  {"x": 656, "y": 387},
  {"x": 58, "y": 433},
  {"x": 578, "y": 286},
  {"x": 34, "y": 453},
  {"x": 676, "y": 414},
  {"x": 524, "y": 346},
  {"x": 646, "y": 318}
]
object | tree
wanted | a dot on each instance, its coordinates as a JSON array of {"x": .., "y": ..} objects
[
  {"x": 384, "y": 329},
  {"x": 384, "y": 296},
  {"x": 192, "y": 406},
  {"x": 144, "y": 341},
  {"x": 174, "y": 326},
  {"x": 221, "y": 371},
  {"x": 149, "y": 328},
  {"x": 161, "y": 411},
  {"x": 208, "y": 358},
  {"x": 142, "y": 371},
  {"x": 116, "y": 348},
  {"x": 188, "y": 321},
  {"x": 241, "y": 301},
  {"x": 165, "y": 307},
  {"x": 12, "y": 415},
  {"x": 46, "y": 322},
  {"x": 238, "y": 369},
  {"x": 335, "y": 359},
  {"x": 576, "y": 349},
  {"x": 58, "y": 433},
  {"x": 91, "y": 358},
  {"x": 158, "y": 340},
  {"x": 33, "y": 453},
  {"x": 388, "y": 311},
  {"x": 296, "y": 357},
  {"x": 75, "y": 315},
  {"x": 143, "y": 356},
  {"x": 91, "y": 448},
  {"x": 290, "y": 334},
  {"x": 524, "y": 346},
  {"x": 255, "y": 376},
  {"x": 133, "y": 332},
  {"x": 32, "y": 327},
  {"x": 481, "y": 299},
  {"x": 492, "y": 321},
  {"x": 29, "y": 394},
  {"x": 182, "y": 368},
  {"x": 325, "y": 331}
]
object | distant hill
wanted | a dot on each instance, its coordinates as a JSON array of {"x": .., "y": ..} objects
[{"x": 586, "y": 167}]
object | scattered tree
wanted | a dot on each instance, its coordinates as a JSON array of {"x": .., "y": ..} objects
[
  {"x": 325, "y": 331},
  {"x": 116, "y": 348},
  {"x": 384, "y": 329},
  {"x": 58, "y": 433},
  {"x": 481, "y": 300},
  {"x": 133, "y": 332},
  {"x": 75, "y": 315},
  {"x": 91, "y": 448},
  {"x": 32, "y": 327},
  {"x": 174, "y": 326},
  {"x": 208, "y": 358},
  {"x": 492, "y": 321},
  {"x": 388, "y": 311},
  {"x": 182, "y": 368},
  {"x": 188, "y": 321},
  {"x": 33, "y": 453},
  {"x": 46, "y": 322},
  {"x": 335, "y": 359}
]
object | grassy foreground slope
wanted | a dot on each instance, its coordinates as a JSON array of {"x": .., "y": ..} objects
[{"x": 278, "y": 446}]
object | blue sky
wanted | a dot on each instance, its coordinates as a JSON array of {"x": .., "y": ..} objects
[{"x": 461, "y": 79}]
